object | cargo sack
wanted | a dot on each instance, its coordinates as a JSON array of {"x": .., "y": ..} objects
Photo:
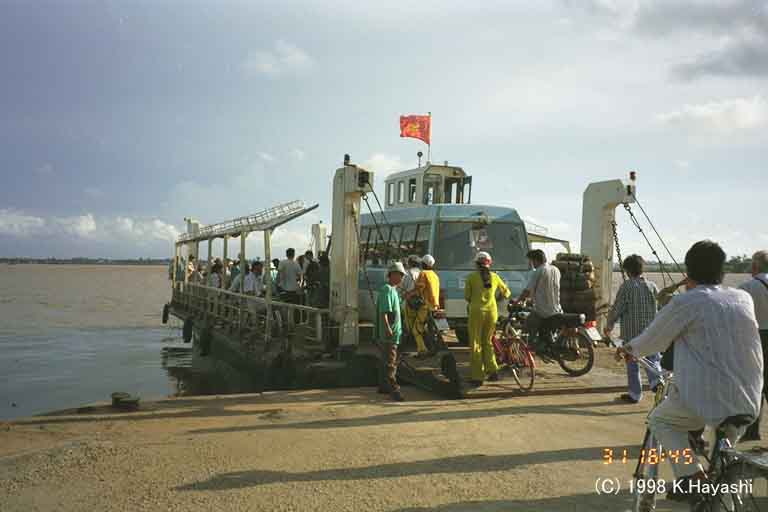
[
  {"x": 579, "y": 258},
  {"x": 575, "y": 281}
]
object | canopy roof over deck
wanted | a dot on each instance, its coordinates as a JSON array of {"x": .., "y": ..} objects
[{"x": 265, "y": 220}]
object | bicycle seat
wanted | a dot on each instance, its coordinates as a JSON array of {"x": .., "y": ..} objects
[{"x": 737, "y": 420}]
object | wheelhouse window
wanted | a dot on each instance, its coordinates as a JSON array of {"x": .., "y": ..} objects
[
  {"x": 458, "y": 242},
  {"x": 390, "y": 194},
  {"x": 412, "y": 190},
  {"x": 400, "y": 191}
]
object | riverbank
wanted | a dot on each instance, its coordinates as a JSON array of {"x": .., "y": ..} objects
[{"x": 339, "y": 450}]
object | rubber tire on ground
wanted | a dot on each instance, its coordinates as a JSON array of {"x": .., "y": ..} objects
[
  {"x": 186, "y": 330},
  {"x": 166, "y": 312},
  {"x": 585, "y": 343},
  {"x": 462, "y": 335}
]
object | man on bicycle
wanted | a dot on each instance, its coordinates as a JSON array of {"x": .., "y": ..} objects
[
  {"x": 718, "y": 361},
  {"x": 544, "y": 288}
]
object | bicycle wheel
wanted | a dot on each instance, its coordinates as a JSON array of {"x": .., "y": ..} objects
[
  {"x": 575, "y": 353},
  {"x": 522, "y": 365},
  {"x": 643, "y": 500},
  {"x": 735, "y": 477}
]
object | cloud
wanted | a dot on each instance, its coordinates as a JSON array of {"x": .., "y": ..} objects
[
  {"x": 682, "y": 164},
  {"x": 298, "y": 154},
  {"x": 140, "y": 230},
  {"x": 15, "y": 223},
  {"x": 82, "y": 225},
  {"x": 282, "y": 59},
  {"x": 134, "y": 230},
  {"x": 739, "y": 29},
  {"x": 383, "y": 165},
  {"x": 744, "y": 56},
  {"x": 266, "y": 157},
  {"x": 723, "y": 116},
  {"x": 706, "y": 16}
]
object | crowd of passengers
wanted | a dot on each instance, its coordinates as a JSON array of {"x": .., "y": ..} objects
[{"x": 302, "y": 280}]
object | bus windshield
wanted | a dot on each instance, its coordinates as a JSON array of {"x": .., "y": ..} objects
[{"x": 458, "y": 243}]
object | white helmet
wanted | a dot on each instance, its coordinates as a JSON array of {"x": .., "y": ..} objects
[
  {"x": 428, "y": 260},
  {"x": 484, "y": 259}
]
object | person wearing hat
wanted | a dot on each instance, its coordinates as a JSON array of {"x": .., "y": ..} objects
[
  {"x": 480, "y": 290},
  {"x": 424, "y": 297},
  {"x": 412, "y": 274},
  {"x": 389, "y": 329}
]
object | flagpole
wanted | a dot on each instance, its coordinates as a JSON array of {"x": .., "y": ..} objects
[{"x": 429, "y": 144}]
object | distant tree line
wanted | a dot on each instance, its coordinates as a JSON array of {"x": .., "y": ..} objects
[
  {"x": 734, "y": 265},
  {"x": 85, "y": 261}
]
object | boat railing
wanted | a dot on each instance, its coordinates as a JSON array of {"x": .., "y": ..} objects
[{"x": 249, "y": 313}]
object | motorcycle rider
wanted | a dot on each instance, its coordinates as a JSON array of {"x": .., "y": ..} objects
[{"x": 544, "y": 288}]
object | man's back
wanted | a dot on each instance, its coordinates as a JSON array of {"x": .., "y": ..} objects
[
  {"x": 718, "y": 357},
  {"x": 544, "y": 287},
  {"x": 428, "y": 284},
  {"x": 288, "y": 275}
]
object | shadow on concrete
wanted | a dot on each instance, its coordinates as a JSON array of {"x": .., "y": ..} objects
[
  {"x": 477, "y": 463},
  {"x": 573, "y": 503},
  {"x": 416, "y": 415}
]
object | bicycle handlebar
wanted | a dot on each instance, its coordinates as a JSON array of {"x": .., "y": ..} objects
[{"x": 643, "y": 361}]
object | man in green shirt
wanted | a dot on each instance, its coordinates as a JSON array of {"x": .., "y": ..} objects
[{"x": 389, "y": 328}]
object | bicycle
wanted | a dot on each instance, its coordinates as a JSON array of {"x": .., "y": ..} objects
[
  {"x": 726, "y": 466},
  {"x": 513, "y": 352}
]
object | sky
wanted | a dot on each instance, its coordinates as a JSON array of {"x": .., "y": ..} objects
[{"x": 119, "y": 119}]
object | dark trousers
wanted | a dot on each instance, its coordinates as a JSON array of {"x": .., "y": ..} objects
[
  {"x": 388, "y": 368},
  {"x": 754, "y": 429},
  {"x": 292, "y": 298}
]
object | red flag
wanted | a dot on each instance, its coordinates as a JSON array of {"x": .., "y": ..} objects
[{"x": 416, "y": 127}]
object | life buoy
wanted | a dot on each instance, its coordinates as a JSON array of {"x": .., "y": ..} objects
[{"x": 166, "y": 312}]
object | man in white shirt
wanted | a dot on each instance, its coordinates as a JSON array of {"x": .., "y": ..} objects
[
  {"x": 718, "y": 361},
  {"x": 757, "y": 287},
  {"x": 544, "y": 288},
  {"x": 288, "y": 279}
]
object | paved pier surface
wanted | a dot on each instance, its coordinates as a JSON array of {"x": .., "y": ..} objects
[{"x": 325, "y": 450}]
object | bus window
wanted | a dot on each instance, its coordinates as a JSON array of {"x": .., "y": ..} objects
[
  {"x": 412, "y": 190},
  {"x": 415, "y": 239},
  {"x": 421, "y": 245},
  {"x": 458, "y": 243},
  {"x": 393, "y": 252}
]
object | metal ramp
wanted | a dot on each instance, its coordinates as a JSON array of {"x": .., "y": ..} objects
[{"x": 264, "y": 220}]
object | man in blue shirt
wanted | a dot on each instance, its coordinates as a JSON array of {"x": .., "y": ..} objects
[{"x": 389, "y": 328}]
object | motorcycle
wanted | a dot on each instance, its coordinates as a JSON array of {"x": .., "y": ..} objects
[{"x": 563, "y": 338}]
